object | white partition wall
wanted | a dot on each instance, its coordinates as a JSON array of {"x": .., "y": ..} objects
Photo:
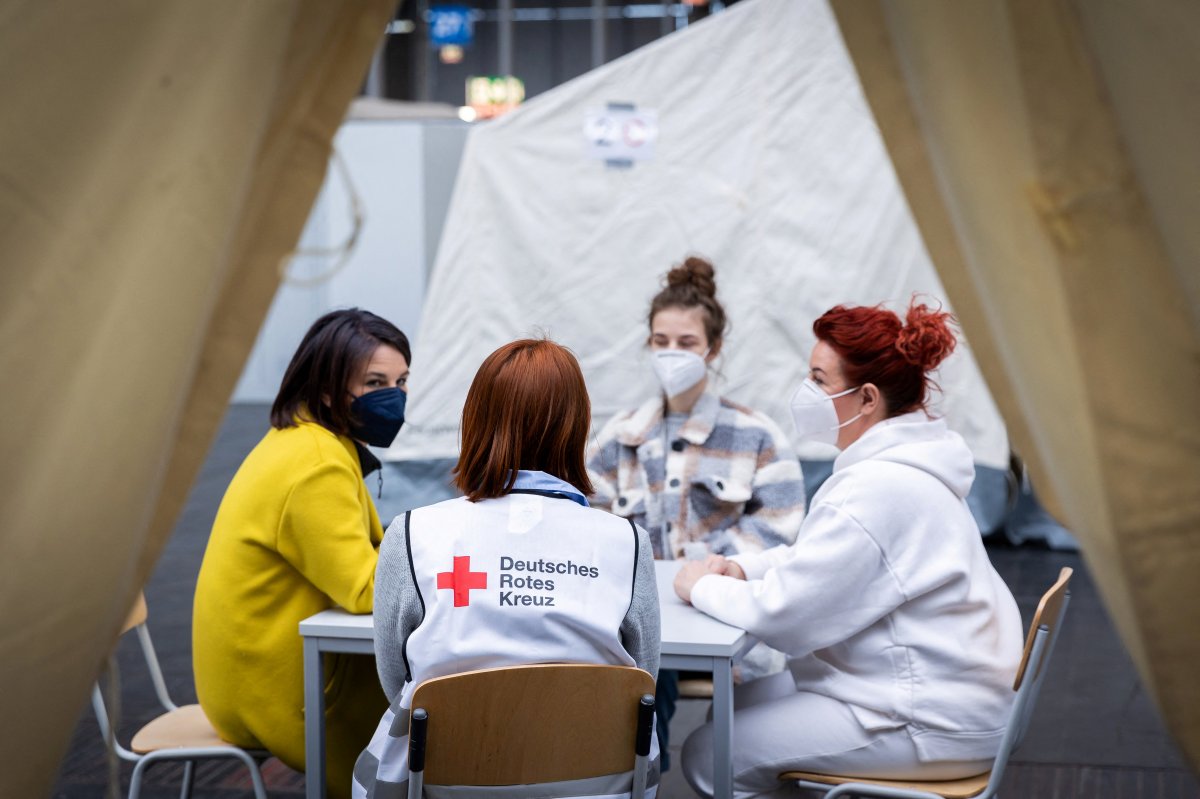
[{"x": 402, "y": 172}]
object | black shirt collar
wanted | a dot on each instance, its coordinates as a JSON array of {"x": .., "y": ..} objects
[{"x": 367, "y": 459}]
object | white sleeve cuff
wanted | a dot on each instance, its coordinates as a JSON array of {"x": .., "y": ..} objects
[
  {"x": 753, "y": 564},
  {"x": 706, "y": 593}
]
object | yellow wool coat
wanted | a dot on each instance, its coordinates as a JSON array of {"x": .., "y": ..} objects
[{"x": 296, "y": 533}]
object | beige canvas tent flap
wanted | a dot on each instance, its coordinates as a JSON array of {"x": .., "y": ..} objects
[
  {"x": 1047, "y": 148},
  {"x": 156, "y": 162}
]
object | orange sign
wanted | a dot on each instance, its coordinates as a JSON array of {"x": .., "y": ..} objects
[{"x": 493, "y": 95}]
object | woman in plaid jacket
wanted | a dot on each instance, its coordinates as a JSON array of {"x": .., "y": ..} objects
[
  {"x": 699, "y": 473},
  {"x": 729, "y": 483}
]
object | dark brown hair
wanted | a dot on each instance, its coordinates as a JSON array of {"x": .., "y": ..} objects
[
  {"x": 876, "y": 348},
  {"x": 335, "y": 350},
  {"x": 527, "y": 408},
  {"x": 693, "y": 284}
]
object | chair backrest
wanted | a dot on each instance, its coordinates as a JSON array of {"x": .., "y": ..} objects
[
  {"x": 531, "y": 724},
  {"x": 136, "y": 620},
  {"x": 1049, "y": 613},
  {"x": 1031, "y": 672}
]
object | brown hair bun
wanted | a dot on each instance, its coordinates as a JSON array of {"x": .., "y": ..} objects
[
  {"x": 693, "y": 284},
  {"x": 695, "y": 272}
]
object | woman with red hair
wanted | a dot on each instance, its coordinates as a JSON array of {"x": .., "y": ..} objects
[
  {"x": 520, "y": 570},
  {"x": 902, "y": 641}
]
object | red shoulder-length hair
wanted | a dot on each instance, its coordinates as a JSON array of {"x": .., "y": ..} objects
[{"x": 527, "y": 408}]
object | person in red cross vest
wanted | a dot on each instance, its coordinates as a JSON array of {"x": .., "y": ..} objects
[{"x": 519, "y": 570}]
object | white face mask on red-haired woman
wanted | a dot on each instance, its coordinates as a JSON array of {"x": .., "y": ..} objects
[{"x": 815, "y": 416}]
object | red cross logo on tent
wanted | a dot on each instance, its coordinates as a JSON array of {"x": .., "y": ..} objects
[{"x": 462, "y": 580}]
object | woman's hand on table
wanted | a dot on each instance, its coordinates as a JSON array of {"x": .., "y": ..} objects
[
  {"x": 719, "y": 564},
  {"x": 692, "y": 571}
]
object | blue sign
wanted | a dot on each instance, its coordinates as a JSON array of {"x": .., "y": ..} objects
[{"x": 451, "y": 25}]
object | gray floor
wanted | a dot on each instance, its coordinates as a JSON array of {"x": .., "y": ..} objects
[{"x": 1094, "y": 734}]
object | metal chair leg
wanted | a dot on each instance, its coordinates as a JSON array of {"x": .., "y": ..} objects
[
  {"x": 135, "y": 781},
  {"x": 189, "y": 777},
  {"x": 260, "y": 789}
]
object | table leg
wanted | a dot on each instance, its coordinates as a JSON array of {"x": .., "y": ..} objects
[
  {"x": 314, "y": 721},
  {"x": 722, "y": 728}
]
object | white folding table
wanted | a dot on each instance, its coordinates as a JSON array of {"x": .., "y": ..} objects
[{"x": 690, "y": 640}]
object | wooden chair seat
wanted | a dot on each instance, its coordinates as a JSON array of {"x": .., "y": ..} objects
[
  {"x": 181, "y": 734},
  {"x": 185, "y": 728},
  {"x": 951, "y": 789}
]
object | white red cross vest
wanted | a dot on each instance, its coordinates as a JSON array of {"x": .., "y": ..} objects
[{"x": 524, "y": 578}]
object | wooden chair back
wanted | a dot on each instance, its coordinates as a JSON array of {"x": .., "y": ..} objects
[
  {"x": 531, "y": 724},
  {"x": 1048, "y": 613}
]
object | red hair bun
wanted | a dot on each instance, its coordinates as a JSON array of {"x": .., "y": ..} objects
[{"x": 926, "y": 338}]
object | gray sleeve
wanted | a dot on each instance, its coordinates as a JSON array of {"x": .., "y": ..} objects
[
  {"x": 640, "y": 632},
  {"x": 398, "y": 608}
]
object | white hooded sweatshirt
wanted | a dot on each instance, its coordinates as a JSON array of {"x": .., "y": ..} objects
[{"x": 887, "y": 600}]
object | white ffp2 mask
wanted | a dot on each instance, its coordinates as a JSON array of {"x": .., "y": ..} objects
[
  {"x": 678, "y": 370},
  {"x": 814, "y": 415}
]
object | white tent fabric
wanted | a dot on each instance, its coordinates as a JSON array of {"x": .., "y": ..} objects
[{"x": 767, "y": 161}]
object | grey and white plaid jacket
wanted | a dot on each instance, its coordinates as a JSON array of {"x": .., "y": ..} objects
[{"x": 730, "y": 473}]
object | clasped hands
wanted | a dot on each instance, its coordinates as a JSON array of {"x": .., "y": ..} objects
[{"x": 693, "y": 570}]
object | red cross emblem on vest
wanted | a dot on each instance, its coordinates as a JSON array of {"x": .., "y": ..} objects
[{"x": 462, "y": 580}]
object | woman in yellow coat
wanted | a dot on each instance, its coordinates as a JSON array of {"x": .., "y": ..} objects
[{"x": 297, "y": 533}]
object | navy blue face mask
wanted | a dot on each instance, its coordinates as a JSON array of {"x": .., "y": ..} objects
[{"x": 378, "y": 416}]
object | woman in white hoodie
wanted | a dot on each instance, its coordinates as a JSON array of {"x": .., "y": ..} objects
[{"x": 902, "y": 641}]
